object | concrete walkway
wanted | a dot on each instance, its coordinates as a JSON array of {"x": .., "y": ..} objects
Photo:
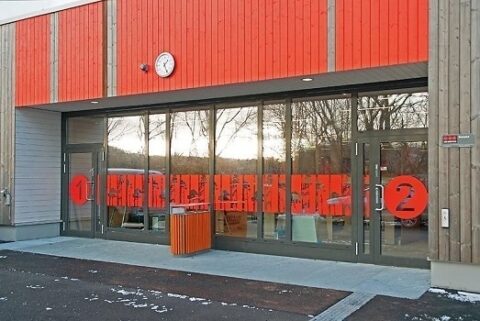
[{"x": 354, "y": 277}]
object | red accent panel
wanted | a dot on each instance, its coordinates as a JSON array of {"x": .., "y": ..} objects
[
  {"x": 32, "y": 61},
  {"x": 217, "y": 42},
  {"x": 80, "y": 53},
  {"x": 372, "y": 33}
]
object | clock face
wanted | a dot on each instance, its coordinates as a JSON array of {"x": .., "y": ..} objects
[{"x": 165, "y": 64}]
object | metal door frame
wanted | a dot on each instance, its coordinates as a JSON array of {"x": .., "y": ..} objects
[
  {"x": 374, "y": 139},
  {"x": 98, "y": 165}
]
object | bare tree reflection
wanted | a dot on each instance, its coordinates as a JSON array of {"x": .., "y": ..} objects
[
  {"x": 126, "y": 141},
  {"x": 396, "y": 111},
  {"x": 321, "y": 127},
  {"x": 192, "y": 126},
  {"x": 189, "y": 142},
  {"x": 230, "y": 122}
]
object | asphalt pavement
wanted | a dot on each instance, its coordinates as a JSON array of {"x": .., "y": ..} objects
[{"x": 44, "y": 287}]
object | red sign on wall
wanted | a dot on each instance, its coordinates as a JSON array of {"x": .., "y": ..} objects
[{"x": 406, "y": 197}]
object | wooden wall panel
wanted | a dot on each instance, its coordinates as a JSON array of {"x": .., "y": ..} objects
[
  {"x": 32, "y": 60},
  {"x": 453, "y": 88},
  {"x": 371, "y": 33},
  {"x": 7, "y": 118},
  {"x": 218, "y": 42},
  {"x": 80, "y": 52},
  {"x": 475, "y": 122}
]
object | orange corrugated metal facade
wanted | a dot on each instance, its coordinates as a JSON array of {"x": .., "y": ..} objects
[
  {"x": 215, "y": 42},
  {"x": 80, "y": 53},
  {"x": 371, "y": 33},
  {"x": 220, "y": 42},
  {"x": 32, "y": 61}
]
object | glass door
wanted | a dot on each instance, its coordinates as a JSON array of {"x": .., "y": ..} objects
[
  {"x": 82, "y": 208},
  {"x": 392, "y": 201}
]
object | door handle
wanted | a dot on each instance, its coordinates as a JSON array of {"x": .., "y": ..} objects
[
  {"x": 89, "y": 193},
  {"x": 381, "y": 199}
]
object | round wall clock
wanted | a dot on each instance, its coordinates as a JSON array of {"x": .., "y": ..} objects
[{"x": 165, "y": 64}]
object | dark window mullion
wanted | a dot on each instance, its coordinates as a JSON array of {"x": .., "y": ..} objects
[
  {"x": 288, "y": 169},
  {"x": 211, "y": 181},
  {"x": 259, "y": 195},
  {"x": 167, "y": 171},
  {"x": 146, "y": 172}
]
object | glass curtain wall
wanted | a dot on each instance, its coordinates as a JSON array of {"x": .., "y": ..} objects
[
  {"x": 274, "y": 192},
  {"x": 189, "y": 153},
  {"x": 236, "y": 155},
  {"x": 125, "y": 172},
  {"x": 157, "y": 159},
  {"x": 392, "y": 111},
  {"x": 321, "y": 176},
  {"x": 259, "y": 148}
]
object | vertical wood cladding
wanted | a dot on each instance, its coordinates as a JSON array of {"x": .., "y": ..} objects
[
  {"x": 32, "y": 61},
  {"x": 7, "y": 117},
  {"x": 371, "y": 33},
  {"x": 454, "y": 173},
  {"x": 218, "y": 42},
  {"x": 80, "y": 53}
]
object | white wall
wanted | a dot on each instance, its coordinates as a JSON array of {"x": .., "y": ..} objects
[{"x": 37, "y": 166}]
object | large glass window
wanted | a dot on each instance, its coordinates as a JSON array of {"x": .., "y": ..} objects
[
  {"x": 125, "y": 172},
  {"x": 262, "y": 152},
  {"x": 157, "y": 149},
  {"x": 321, "y": 178},
  {"x": 274, "y": 183},
  {"x": 393, "y": 111},
  {"x": 189, "y": 180},
  {"x": 236, "y": 155}
]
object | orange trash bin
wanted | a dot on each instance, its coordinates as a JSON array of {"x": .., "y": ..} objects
[{"x": 190, "y": 232}]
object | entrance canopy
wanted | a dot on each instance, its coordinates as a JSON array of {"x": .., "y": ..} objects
[{"x": 320, "y": 81}]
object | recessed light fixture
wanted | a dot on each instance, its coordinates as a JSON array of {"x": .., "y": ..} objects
[
  {"x": 94, "y": 102},
  {"x": 307, "y": 79}
]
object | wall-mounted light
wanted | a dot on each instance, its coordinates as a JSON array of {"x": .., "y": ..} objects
[
  {"x": 94, "y": 102},
  {"x": 144, "y": 67},
  {"x": 307, "y": 79}
]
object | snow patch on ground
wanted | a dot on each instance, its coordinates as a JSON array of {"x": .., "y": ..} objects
[
  {"x": 125, "y": 292},
  {"x": 426, "y": 317},
  {"x": 156, "y": 293},
  {"x": 435, "y": 290},
  {"x": 3, "y": 299},
  {"x": 135, "y": 305},
  {"x": 178, "y": 296},
  {"x": 92, "y": 271},
  {"x": 465, "y": 297},
  {"x": 2, "y": 257},
  {"x": 93, "y": 297},
  {"x": 35, "y": 287},
  {"x": 459, "y": 296},
  {"x": 285, "y": 291}
]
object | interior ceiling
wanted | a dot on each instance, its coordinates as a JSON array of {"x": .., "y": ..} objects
[{"x": 320, "y": 81}]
